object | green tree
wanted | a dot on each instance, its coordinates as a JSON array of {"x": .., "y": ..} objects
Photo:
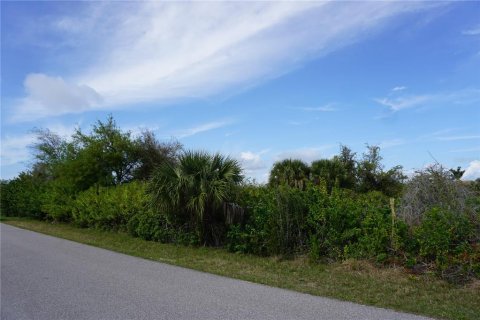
[
  {"x": 194, "y": 190},
  {"x": 328, "y": 171},
  {"x": 372, "y": 177},
  {"x": 107, "y": 155},
  {"x": 457, "y": 173},
  {"x": 152, "y": 153},
  {"x": 291, "y": 172}
]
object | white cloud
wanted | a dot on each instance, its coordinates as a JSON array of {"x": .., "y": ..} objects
[
  {"x": 399, "y": 88},
  {"x": 473, "y": 171},
  {"x": 252, "y": 161},
  {"x": 202, "y": 128},
  {"x": 49, "y": 96},
  {"x": 14, "y": 149},
  {"x": 401, "y": 103},
  {"x": 152, "y": 51},
  {"x": 305, "y": 154}
]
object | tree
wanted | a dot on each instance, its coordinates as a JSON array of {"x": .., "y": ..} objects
[
  {"x": 457, "y": 173},
  {"x": 193, "y": 192},
  {"x": 292, "y": 172},
  {"x": 107, "y": 156},
  {"x": 328, "y": 171},
  {"x": 152, "y": 153},
  {"x": 372, "y": 177}
]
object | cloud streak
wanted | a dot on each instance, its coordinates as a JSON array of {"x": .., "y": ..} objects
[
  {"x": 145, "y": 52},
  {"x": 402, "y": 102},
  {"x": 202, "y": 128}
]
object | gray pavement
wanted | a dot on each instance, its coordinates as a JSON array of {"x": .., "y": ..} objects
[{"x": 43, "y": 277}]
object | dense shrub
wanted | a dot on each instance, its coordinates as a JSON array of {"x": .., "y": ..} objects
[
  {"x": 109, "y": 208},
  {"x": 433, "y": 187},
  {"x": 339, "y": 225},
  {"x": 276, "y": 222},
  {"x": 449, "y": 241},
  {"x": 152, "y": 226},
  {"x": 22, "y": 196},
  {"x": 345, "y": 224}
]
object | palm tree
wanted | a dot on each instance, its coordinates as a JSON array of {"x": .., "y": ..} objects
[
  {"x": 292, "y": 172},
  {"x": 194, "y": 190}
]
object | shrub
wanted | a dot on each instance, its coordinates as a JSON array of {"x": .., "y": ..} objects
[
  {"x": 447, "y": 240},
  {"x": 434, "y": 187},
  {"x": 345, "y": 224},
  {"x": 110, "y": 208},
  {"x": 276, "y": 221},
  {"x": 152, "y": 226},
  {"x": 22, "y": 196}
]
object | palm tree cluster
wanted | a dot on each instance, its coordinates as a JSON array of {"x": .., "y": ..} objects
[{"x": 192, "y": 192}]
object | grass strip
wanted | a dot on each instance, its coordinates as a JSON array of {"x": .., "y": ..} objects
[{"x": 353, "y": 280}]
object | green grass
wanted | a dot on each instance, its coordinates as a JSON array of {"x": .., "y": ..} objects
[{"x": 357, "y": 281}]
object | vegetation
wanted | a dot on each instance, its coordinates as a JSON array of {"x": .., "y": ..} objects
[{"x": 346, "y": 208}]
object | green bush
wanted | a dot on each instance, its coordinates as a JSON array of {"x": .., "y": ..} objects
[
  {"x": 442, "y": 233},
  {"x": 22, "y": 196},
  {"x": 345, "y": 225},
  {"x": 152, "y": 226},
  {"x": 276, "y": 221},
  {"x": 110, "y": 208}
]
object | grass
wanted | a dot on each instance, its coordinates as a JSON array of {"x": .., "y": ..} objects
[{"x": 356, "y": 281}]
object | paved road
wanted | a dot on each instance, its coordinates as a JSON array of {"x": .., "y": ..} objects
[{"x": 43, "y": 277}]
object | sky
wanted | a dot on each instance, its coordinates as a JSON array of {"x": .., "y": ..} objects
[{"x": 257, "y": 81}]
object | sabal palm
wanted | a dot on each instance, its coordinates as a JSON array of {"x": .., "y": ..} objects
[
  {"x": 292, "y": 172},
  {"x": 196, "y": 186}
]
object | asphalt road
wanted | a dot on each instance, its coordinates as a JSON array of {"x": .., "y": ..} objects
[{"x": 43, "y": 277}]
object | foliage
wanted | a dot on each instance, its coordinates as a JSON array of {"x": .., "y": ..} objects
[
  {"x": 430, "y": 188},
  {"x": 152, "y": 153},
  {"x": 457, "y": 173},
  {"x": 344, "y": 224},
  {"x": 110, "y": 208},
  {"x": 22, "y": 196},
  {"x": 108, "y": 152},
  {"x": 291, "y": 172},
  {"x": 193, "y": 191},
  {"x": 448, "y": 240},
  {"x": 372, "y": 177}
]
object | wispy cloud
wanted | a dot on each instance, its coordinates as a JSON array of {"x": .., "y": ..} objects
[
  {"x": 472, "y": 32},
  {"x": 391, "y": 143},
  {"x": 464, "y": 150},
  {"x": 14, "y": 149},
  {"x": 142, "y": 52},
  {"x": 455, "y": 138},
  {"x": 202, "y": 128},
  {"x": 401, "y": 102},
  {"x": 326, "y": 108},
  {"x": 399, "y": 88}
]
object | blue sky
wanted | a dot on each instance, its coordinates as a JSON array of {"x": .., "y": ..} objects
[{"x": 257, "y": 81}]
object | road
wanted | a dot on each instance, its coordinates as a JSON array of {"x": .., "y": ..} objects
[{"x": 43, "y": 277}]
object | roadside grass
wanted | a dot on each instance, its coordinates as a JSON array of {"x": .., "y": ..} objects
[{"x": 356, "y": 281}]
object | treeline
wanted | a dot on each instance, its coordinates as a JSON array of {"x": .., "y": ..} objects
[{"x": 345, "y": 207}]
